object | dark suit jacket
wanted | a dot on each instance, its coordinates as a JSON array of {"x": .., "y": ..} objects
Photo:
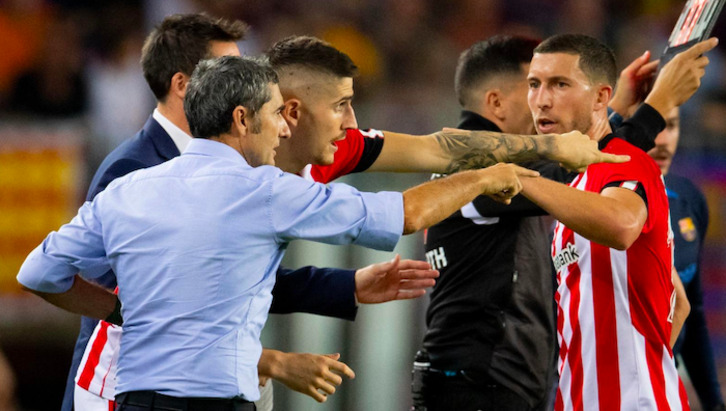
[{"x": 322, "y": 291}]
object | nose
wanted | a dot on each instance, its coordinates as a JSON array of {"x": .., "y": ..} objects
[
  {"x": 284, "y": 129},
  {"x": 349, "y": 120},
  {"x": 541, "y": 97}
]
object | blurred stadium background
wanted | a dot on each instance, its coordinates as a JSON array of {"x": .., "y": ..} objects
[{"x": 71, "y": 89}]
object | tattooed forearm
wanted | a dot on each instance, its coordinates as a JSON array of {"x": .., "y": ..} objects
[{"x": 477, "y": 149}]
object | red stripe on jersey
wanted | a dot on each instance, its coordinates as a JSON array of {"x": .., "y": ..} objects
[
  {"x": 559, "y": 405},
  {"x": 111, "y": 405},
  {"x": 654, "y": 357},
  {"x": 349, "y": 153},
  {"x": 84, "y": 381},
  {"x": 606, "y": 335}
]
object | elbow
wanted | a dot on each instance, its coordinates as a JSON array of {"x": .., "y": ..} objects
[{"x": 625, "y": 234}]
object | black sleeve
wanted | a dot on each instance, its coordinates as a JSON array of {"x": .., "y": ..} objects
[
  {"x": 520, "y": 205},
  {"x": 639, "y": 189},
  {"x": 642, "y": 129},
  {"x": 372, "y": 147},
  {"x": 323, "y": 291}
]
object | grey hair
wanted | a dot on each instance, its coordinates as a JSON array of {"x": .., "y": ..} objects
[{"x": 218, "y": 86}]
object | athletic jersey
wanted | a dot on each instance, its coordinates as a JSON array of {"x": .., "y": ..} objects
[
  {"x": 97, "y": 371},
  {"x": 615, "y": 307}
]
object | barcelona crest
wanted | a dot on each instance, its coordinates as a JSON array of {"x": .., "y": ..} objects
[{"x": 688, "y": 229}]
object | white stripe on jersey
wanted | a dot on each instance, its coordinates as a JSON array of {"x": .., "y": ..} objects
[
  {"x": 672, "y": 383},
  {"x": 629, "y": 384},
  {"x": 586, "y": 314}
]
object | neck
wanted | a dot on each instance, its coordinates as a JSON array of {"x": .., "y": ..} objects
[
  {"x": 600, "y": 127},
  {"x": 173, "y": 110}
]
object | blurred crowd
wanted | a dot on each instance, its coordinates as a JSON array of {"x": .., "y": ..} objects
[{"x": 79, "y": 58}]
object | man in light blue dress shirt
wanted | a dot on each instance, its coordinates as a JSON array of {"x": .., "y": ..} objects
[{"x": 203, "y": 234}]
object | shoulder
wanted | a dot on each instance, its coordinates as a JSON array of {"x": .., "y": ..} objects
[{"x": 640, "y": 162}]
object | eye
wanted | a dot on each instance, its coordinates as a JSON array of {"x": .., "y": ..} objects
[
  {"x": 533, "y": 84},
  {"x": 562, "y": 84}
]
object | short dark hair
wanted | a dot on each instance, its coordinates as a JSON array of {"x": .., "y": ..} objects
[
  {"x": 179, "y": 42},
  {"x": 312, "y": 53},
  {"x": 492, "y": 57},
  {"x": 597, "y": 60},
  {"x": 218, "y": 86}
]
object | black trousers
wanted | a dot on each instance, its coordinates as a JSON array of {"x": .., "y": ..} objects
[
  {"x": 440, "y": 391},
  {"x": 150, "y": 400}
]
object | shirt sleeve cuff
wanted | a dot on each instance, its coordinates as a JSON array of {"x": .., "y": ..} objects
[
  {"x": 384, "y": 220},
  {"x": 648, "y": 118}
]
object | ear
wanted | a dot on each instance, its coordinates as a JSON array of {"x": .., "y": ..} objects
[
  {"x": 240, "y": 120},
  {"x": 604, "y": 93},
  {"x": 493, "y": 103},
  {"x": 178, "y": 85},
  {"x": 291, "y": 111}
]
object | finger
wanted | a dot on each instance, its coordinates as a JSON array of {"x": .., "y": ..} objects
[
  {"x": 411, "y": 285},
  {"x": 312, "y": 392},
  {"x": 525, "y": 172},
  {"x": 324, "y": 386},
  {"x": 341, "y": 368},
  {"x": 613, "y": 158},
  {"x": 700, "y": 48},
  {"x": 333, "y": 378},
  {"x": 413, "y": 265},
  {"x": 635, "y": 65},
  {"x": 647, "y": 70},
  {"x": 409, "y": 295},
  {"x": 335, "y": 356},
  {"x": 418, "y": 274}
]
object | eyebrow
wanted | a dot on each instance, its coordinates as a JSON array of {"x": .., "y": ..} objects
[{"x": 345, "y": 98}]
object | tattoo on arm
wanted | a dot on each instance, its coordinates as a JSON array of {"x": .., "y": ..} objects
[{"x": 478, "y": 149}]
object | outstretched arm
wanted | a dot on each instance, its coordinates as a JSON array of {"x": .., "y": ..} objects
[
  {"x": 453, "y": 150},
  {"x": 433, "y": 201},
  {"x": 613, "y": 218},
  {"x": 393, "y": 280}
]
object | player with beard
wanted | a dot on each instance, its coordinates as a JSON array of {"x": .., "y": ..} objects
[{"x": 612, "y": 246}]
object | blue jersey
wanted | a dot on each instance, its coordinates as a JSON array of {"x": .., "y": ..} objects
[{"x": 689, "y": 220}]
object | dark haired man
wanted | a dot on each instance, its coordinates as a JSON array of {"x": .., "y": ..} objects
[
  {"x": 169, "y": 56},
  {"x": 316, "y": 81},
  {"x": 191, "y": 341},
  {"x": 494, "y": 260},
  {"x": 612, "y": 245}
]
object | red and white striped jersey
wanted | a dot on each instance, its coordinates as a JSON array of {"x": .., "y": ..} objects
[
  {"x": 615, "y": 307},
  {"x": 97, "y": 371}
]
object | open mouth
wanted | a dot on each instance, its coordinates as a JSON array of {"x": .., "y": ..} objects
[{"x": 546, "y": 125}]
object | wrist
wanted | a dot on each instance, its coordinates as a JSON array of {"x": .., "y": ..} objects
[
  {"x": 269, "y": 365},
  {"x": 660, "y": 104}
]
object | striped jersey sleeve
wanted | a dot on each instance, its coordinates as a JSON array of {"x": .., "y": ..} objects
[{"x": 356, "y": 153}]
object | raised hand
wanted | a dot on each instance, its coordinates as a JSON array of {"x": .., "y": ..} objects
[
  {"x": 575, "y": 151},
  {"x": 679, "y": 79},
  {"x": 633, "y": 85},
  {"x": 393, "y": 280}
]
